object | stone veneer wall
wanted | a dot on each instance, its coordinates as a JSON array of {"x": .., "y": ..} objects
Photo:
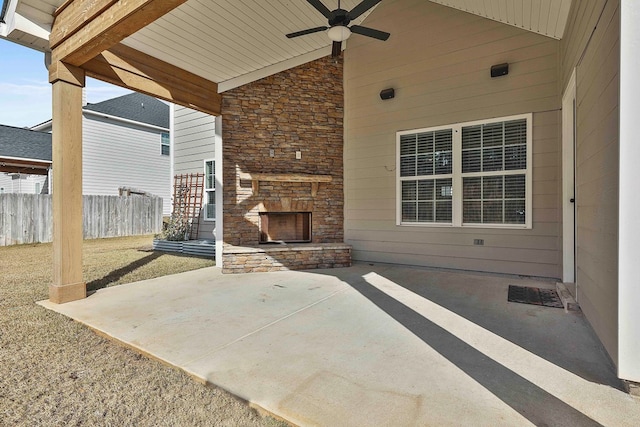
[{"x": 300, "y": 109}]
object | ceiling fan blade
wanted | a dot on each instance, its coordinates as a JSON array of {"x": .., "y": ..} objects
[
  {"x": 320, "y": 7},
  {"x": 305, "y": 32},
  {"x": 336, "y": 49},
  {"x": 361, "y": 8},
  {"x": 370, "y": 32}
]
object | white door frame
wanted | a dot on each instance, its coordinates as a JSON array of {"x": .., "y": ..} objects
[{"x": 568, "y": 181}]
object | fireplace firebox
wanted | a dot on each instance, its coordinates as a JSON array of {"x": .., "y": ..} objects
[{"x": 285, "y": 227}]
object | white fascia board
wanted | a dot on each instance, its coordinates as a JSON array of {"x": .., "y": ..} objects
[
  {"x": 3, "y": 159},
  {"x": 123, "y": 120},
  {"x": 25, "y": 25},
  {"x": 15, "y": 26},
  {"x": 46, "y": 126},
  {"x": 42, "y": 127},
  {"x": 8, "y": 25}
]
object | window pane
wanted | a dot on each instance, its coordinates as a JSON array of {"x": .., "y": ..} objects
[
  {"x": 514, "y": 212},
  {"x": 515, "y": 157},
  {"x": 425, "y": 211},
  {"x": 408, "y": 166},
  {"x": 444, "y": 162},
  {"x": 492, "y": 212},
  {"x": 515, "y": 132},
  {"x": 472, "y": 212},
  {"x": 472, "y": 188},
  {"x": 425, "y": 165},
  {"x": 492, "y": 159},
  {"x": 408, "y": 190},
  {"x": 492, "y": 134},
  {"x": 492, "y": 187},
  {"x": 409, "y": 211},
  {"x": 209, "y": 175},
  {"x": 425, "y": 142},
  {"x": 425, "y": 190},
  {"x": 471, "y": 161},
  {"x": 514, "y": 187},
  {"x": 443, "y": 211},
  {"x": 165, "y": 150},
  {"x": 407, "y": 144},
  {"x": 444, "y": 189},
  {"x": 444, "y": 140},
  {"x": 471, "y": 137}
]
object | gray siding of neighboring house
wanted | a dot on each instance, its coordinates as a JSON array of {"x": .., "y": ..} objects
[
  {"x": 194, "y": 142},
  {"x": 116, "y": 154},
  {"x": 443, "y": 80},
  {"x": 597, "y": 58}
]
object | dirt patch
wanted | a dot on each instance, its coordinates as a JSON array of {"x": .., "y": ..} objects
[{"x": 54, "y": 371}]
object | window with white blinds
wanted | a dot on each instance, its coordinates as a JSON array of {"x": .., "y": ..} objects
[{"x": 468, "y": 174}]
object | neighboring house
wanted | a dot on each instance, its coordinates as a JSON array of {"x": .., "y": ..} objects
[
  {"x": 194, "y": 151},
  {"x": 126, "y": 143},
  {"x": 532, "y": 172},
  {"x": 25, "y": 160}
]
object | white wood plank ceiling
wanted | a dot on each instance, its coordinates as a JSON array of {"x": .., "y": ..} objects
[
  {"x": 233, "y": 42},
  {"x": 546, "y": 17}
]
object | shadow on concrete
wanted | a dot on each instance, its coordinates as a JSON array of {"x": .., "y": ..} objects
[{"x": 525, "y": 397}]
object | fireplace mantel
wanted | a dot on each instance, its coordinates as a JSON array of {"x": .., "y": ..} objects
[{"x": 256, "y": 178}]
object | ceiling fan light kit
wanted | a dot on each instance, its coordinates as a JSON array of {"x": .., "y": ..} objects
[
  {"x": 338, "y": 20},
  {"x": 339, "y": 33}
]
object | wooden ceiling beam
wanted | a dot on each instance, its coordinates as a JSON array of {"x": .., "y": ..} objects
[
  {"x": 82, "y": 29},
  {"x": 126, "y": 67}
]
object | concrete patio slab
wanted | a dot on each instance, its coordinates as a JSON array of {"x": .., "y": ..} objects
[{"x": 370, "y": 345}]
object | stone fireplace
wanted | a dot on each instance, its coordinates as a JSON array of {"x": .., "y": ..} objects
[{"x": 283, "y": 173}]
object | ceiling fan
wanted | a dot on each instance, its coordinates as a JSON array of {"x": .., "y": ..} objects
[{"x": 339, "y": 20}]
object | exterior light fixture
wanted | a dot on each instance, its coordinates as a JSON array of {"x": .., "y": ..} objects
[
  {"x": 339, "y": 33},
  {"x": 500, "y": 70},
  {"x": 387, "y": 93}
]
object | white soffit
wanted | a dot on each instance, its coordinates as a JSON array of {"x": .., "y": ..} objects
[
  {"x": 234, "y": 42},
  {"x": 546, "y": 17}
]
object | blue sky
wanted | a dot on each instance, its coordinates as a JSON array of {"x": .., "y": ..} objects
[{"x": 25, "y": 92}]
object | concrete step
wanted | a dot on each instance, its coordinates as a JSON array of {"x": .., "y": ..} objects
[{"x": 568, "y": 301}]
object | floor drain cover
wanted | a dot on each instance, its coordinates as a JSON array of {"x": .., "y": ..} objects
[{"x": 535, "y": 296}]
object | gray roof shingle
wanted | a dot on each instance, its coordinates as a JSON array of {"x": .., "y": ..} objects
[
  {"x": 24, "y": 143},
  {"x": 135, "y": 106}
]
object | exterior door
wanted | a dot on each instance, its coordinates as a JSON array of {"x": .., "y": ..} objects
[{"x": 568, "y": 182}]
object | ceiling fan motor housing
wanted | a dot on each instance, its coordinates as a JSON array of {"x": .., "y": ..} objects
[{"x": 339, "y": 17}]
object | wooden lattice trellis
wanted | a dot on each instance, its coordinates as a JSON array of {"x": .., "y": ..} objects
[{"x": 188, "y": 191}]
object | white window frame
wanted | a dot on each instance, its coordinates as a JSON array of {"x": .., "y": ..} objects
[
  {"x": 457, "y": 175},
  {"x": 167, "y": 144},
  {"x": 208, "y": 190}
]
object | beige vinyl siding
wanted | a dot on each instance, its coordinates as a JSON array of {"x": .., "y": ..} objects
[
  {"x": 596, "y": 54},
  {"x": 194, "y": 142},
  {"x": 438, "y": 60},
  {"x": 117, "y": 154}
]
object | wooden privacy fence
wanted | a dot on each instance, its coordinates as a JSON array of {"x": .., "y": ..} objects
[{"x": 27, "y": 218}]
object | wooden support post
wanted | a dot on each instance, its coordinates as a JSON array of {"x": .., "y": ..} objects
[{"x": 68, "y": 82}]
